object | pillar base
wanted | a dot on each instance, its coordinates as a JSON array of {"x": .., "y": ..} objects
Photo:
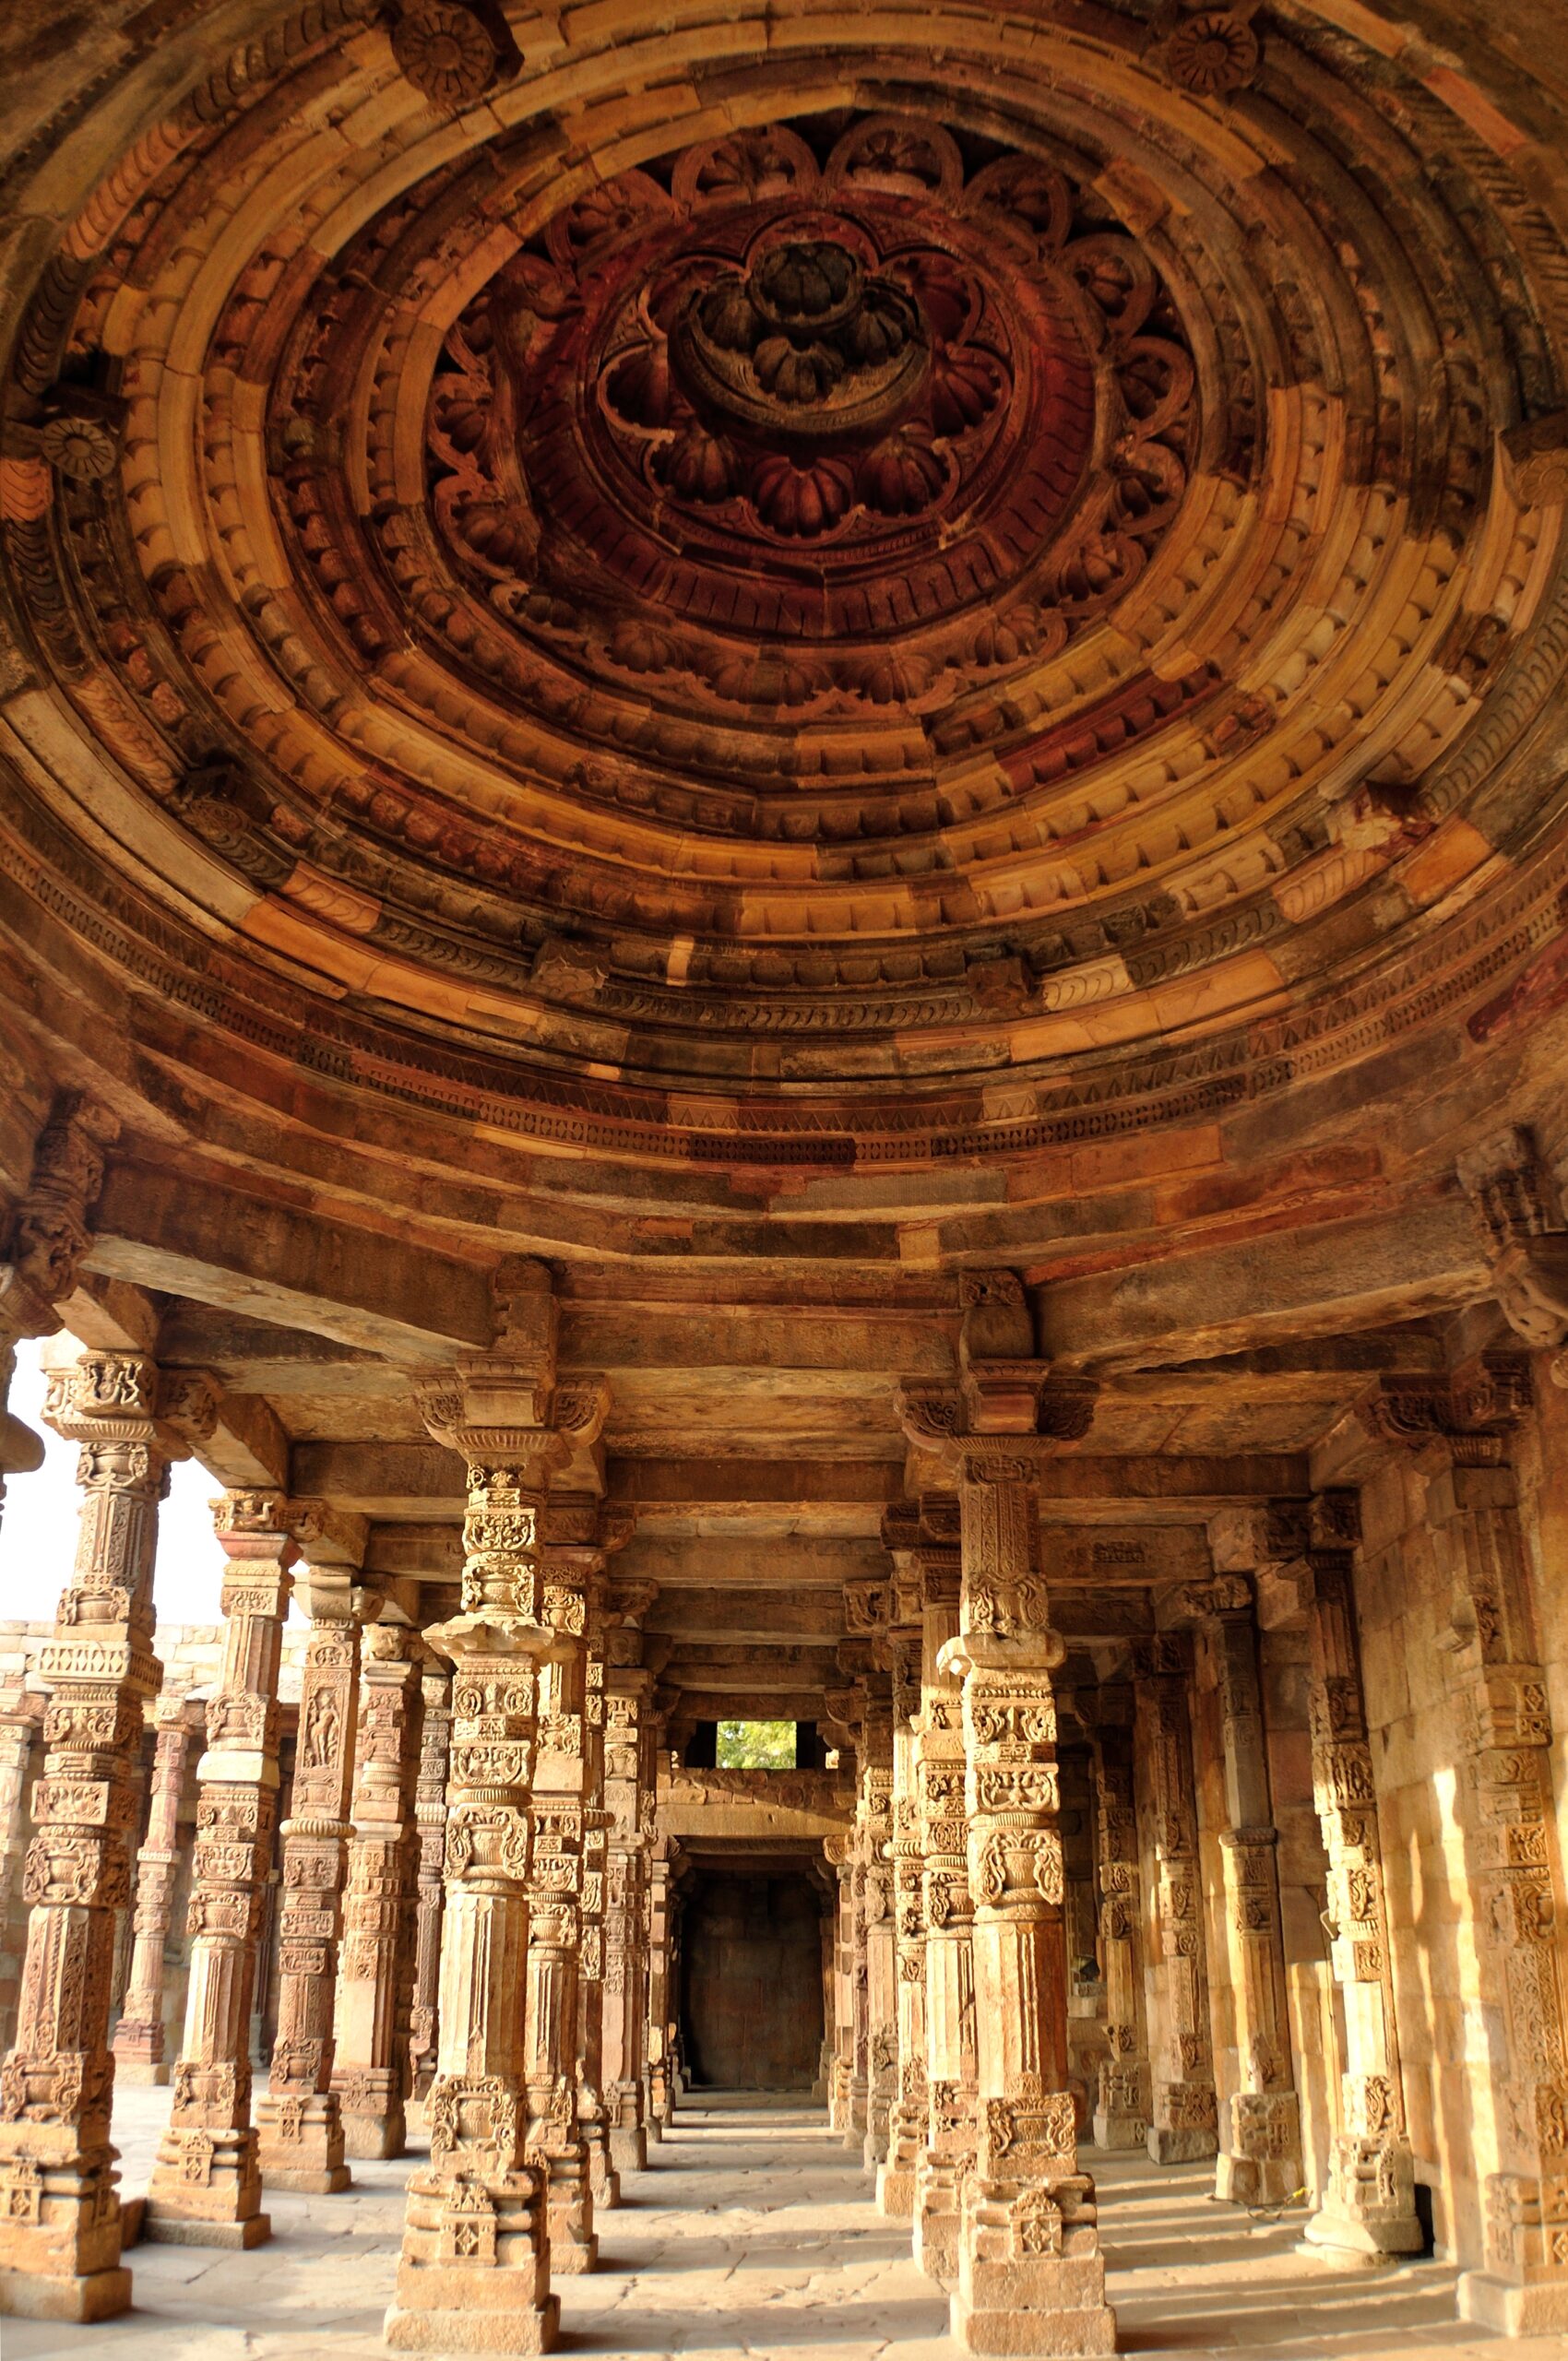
[
  {"x": 1031, "y": 2276},
  {"x": 1170, "y": 2144},
  {"x": 1118, "y": 2132},
  {"x": 473, "y": 2275},
  {"x": 86, "y": 2295},
  {"x": 160, "y": 2229},
  {"x": 1510, "y": 2306},
  {"x": 628, "y": 2148},
  {"x": 1346, "y": 2239},
  {"x": 937, "y": 2219},
  {"x": 300, "y": 2143},
  {"x": 1257, "y": 2180},
  {"x": 140, "y": 2073},
  {"x": 376, "y": 2136},
  {"x": 205, "y": 2189},
  {"x": 604, "y": 2179},
  {"x": 568, "y": 2223},
  {"x": 896, "y": 2190}
]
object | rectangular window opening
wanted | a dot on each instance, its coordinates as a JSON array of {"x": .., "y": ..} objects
[{"x": 757, "y": 1746}]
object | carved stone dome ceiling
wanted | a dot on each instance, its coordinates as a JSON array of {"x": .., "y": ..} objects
[{"x": 848, "y": 606}]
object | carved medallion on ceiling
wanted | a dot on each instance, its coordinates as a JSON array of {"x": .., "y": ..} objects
[{"x": 794, "y": 421}]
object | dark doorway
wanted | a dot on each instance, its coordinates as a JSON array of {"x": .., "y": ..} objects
[{"x": 752, "y": 2003}]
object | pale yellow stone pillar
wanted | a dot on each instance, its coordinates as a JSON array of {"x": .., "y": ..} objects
[
  {"x": 629, "y": 1800},
  {"x": 206, "y": 2186},
  {"x": 949, "y": 1911},
  {"x": 59, "y": 2203},
  {"x": 370, "y": 2025},
  {"x": 1122, "y": 2093},
  {"x": 1184, "y": 2116},
  {"x": 429, "y": 1817},
  {"x": 139, "y": 2038},
  {"x": 907, "y": 2119}
]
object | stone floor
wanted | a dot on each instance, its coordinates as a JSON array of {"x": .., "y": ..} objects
[{"x": 754, "y": 2234}]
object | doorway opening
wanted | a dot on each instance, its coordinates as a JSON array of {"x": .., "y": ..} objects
[{"x": 752, "y": 1996}]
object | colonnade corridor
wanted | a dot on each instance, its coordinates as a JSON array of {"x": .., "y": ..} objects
[{"x": 755, "y": 2232}]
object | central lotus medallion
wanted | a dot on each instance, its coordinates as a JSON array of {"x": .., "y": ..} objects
[{"x": 805, "y": 344}]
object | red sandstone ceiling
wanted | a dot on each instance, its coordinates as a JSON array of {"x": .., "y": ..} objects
[{"x": 848, "y": 586}]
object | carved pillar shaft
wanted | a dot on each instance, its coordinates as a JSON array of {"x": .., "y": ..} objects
[
  {"x": 562, "y": 1798},
  {"x": 206, "y": 2187},
  {"x": 629, "y": 1801},
  {"x": 139, "y": 2042},
  {"x": 661, "y": 2095},
  {"x": 375, "y": 1962},
  {"x": 1506, "y": 1798},
  {"x": 906, "y": 2120},
  {"x": 881, "y": 1973},
  {"x": 430, "y": 1816},
  {"x": 299, "y": 2126},
  {"x": 1184, "y": 2113},
  {"x": 1122, "y": 2097},
  {"x": 1369, "y": 2205},
  {"x": 59, "y": 2206},
  {"x": 1032, "y": 2277},
  {"x": 474, "y": 2270},
  {"x": 1259, "y": 2155},
  {"x": 839, "y": 1851},
  {"x": 951, "y": 2087}
]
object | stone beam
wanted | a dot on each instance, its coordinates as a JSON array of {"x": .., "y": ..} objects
[
  {"x": 772, "y": 1705},
  {"x": 1290, "y": 1283},
  {"x": 395, "y": 1480},
  {"x": 746, "y": 1671},
  {"x": 717, "y": 1483},
  {"x": 780, "y": 1614},
  {"x": 289, "y": 1264},
  {"x": 725, "y": 1561}
]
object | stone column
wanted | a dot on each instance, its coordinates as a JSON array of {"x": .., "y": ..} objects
[
  {"x": 474, "y": 2272},
  {"x": 1122, "y": 2098},
  {"x": 1031, "y": 2277},
  {"x": 1368, "y": 2207},
  {"x": 1503, "y": 1722},
  {"x": 376, "y": 1962},
  {"x": 206, "y": 2186},
  {"x": 951, "y": 2062},
  {"x": 430, "y": 1818},
  {"x": 839, "y": 1853},
  {"x": 140, "y": 2036},
  {"x": 661, "y": 2095},
  {"x": 1184, "y": 2113},
  {"x": 629, "y": 1800},
  {"x": 59, "y": 2206},
  {"x": 564, "y": 1786},
  {"x": 299, "y": 2123},
  {"x": 1260, "y": 2152},
  {"x": 21, "y": 1717},
  {"x": 906, "y": 2120},
  {"x": 876, "y": 1916}
]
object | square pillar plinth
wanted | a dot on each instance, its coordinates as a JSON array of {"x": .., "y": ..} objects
[
  {"x": 1032, "y": 2277},
  {"x": 473, "y": 2275}
]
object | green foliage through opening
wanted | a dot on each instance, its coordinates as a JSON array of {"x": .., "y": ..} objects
[{"x": 757, "y": 1746}]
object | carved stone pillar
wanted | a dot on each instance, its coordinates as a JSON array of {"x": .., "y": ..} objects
[
  {"x": 661, "y": 2094},
  {"x": 951, "y": 2062},
  {"x": 375, "y": 1961},
  {"x": 1369, "y": 2205},
  {"x": 299, "y": 2126},
  {"x": 566, "y": 1787},
  {"x": 430, "y": 1818},
  {"x": 1184, "y": 2113},
  {"x": 907, "y": 2119},
  {"x": 1260, "y": 2152},
  {"x": 474, "y": 2271},
  {"x": 206, "y": 2186},
  {"x": 839, "y": 1852},
  {"x": 877, "y": 1919},
  {"x": 59, "y": 2206},
  {"x": 1031, "y": 2277},
  {"x": 140, "y": 2038},
  {"x": 1506, "y": 1795},
  {"x": 629, "y": 1801},
  {"x": 1122, "y": 2098}
]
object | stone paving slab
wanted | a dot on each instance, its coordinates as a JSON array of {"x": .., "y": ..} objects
[{"x": 753, "y": 2237}]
